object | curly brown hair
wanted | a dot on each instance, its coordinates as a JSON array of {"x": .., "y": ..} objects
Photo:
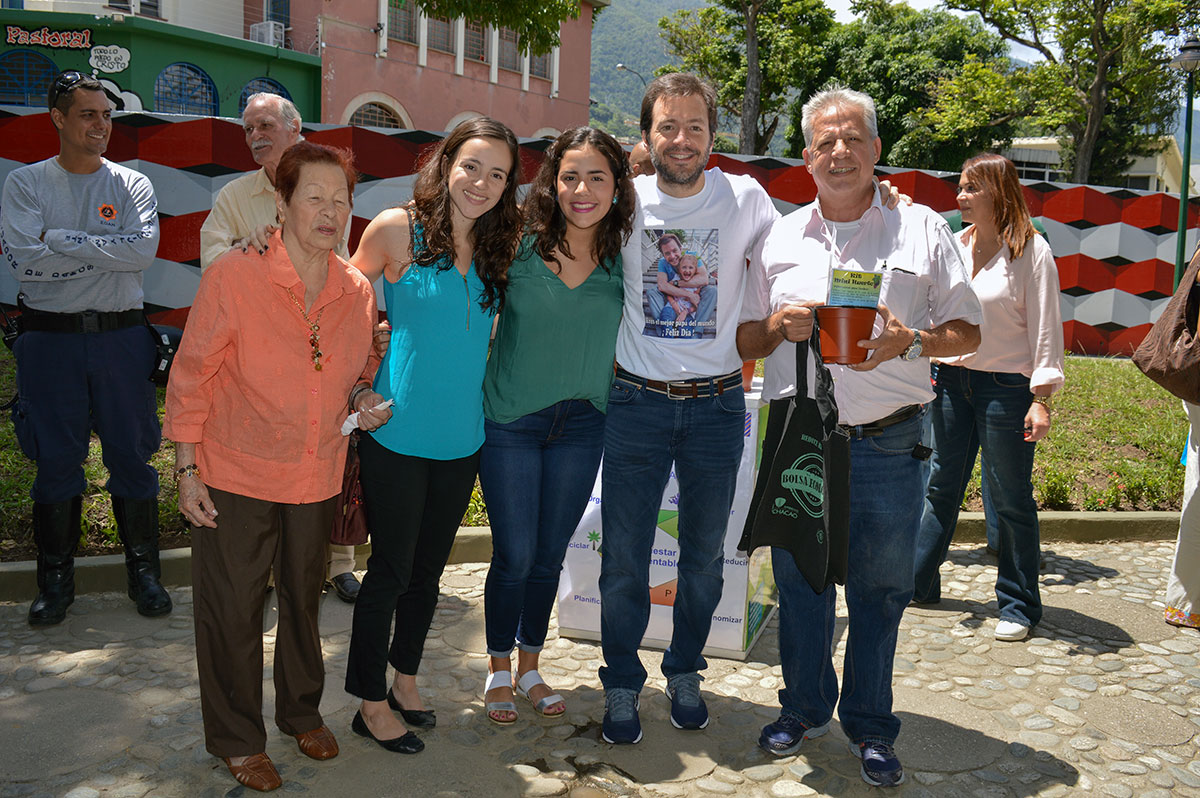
[
  {"x": 494, "y": 236},
  {"x": 544, "y": 218}
]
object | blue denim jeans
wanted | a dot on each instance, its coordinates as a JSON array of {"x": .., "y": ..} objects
[
  {"x": 885, "y": 495},
  {"x": 983, "y": 410},
  {"x": 646, "y": 431},
  {"x": 537, "y": 474}
]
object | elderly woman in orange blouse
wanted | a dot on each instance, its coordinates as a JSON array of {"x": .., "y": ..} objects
[{"x": 276, "y": 342}]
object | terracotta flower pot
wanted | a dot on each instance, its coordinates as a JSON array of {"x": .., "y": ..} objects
[
  {"x": 841, "y": 330},
  {"x": 748, "y": 374}
]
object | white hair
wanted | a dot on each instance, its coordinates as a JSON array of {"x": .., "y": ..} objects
[
  {"x": 285, "y": 109},
  {"x": 837, "y": 96}
]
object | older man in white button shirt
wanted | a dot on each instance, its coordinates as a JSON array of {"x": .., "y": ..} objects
[{"x": 926, "y": 309}]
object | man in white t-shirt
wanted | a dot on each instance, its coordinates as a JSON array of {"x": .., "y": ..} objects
[
  {"x": 675, "y": 398},
  {"x": 927, "y": 308}
]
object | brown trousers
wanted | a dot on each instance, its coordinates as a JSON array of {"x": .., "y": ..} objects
[{"x": 230, "y": 565}]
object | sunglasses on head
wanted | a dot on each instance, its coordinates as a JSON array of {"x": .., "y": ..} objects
[{"x": 64, "y": 83}]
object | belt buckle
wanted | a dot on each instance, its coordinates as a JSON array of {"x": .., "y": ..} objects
[
  {"x": 672, "y": 385},
  {"x": 89, "y": 321}
]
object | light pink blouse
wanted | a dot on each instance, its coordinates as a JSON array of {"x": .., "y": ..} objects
[{"x": 1022, "y": 324}]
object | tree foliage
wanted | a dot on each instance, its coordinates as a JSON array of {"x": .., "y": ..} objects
[
  {"x": 535, "y": 21},
  {"x": 1103, "y": 85},
  {"x": 721, "y": 41},
  {"x": 898, "y": 55}
]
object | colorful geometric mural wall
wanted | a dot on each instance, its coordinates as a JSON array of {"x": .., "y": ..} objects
[{"x": 1115, "y": 248}]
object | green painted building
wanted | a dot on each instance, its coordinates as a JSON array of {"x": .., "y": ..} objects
[{"x": 149, "y": 64}]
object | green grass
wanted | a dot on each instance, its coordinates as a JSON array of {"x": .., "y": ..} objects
[{"x": 1114, "y": 444}]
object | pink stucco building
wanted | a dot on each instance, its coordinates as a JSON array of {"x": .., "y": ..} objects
[{"x": 384, "y": 63}]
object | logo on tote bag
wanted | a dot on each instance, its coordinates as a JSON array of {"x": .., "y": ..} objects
[{"x": 805, "y": 481}]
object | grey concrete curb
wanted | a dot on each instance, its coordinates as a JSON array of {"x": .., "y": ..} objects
[{"x": 18, "y": 580}]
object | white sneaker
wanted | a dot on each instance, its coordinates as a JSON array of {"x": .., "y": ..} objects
[{"x": 1011, "y": 631}]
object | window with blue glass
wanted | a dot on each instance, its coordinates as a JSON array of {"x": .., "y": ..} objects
[
  {"x": 25, "y": 77},
  {"x": 16, "y": 4},
  {"x": 259, "y": 85},
  {"x": 278, "y": 11},
  {"x": 185, "y": 89}
]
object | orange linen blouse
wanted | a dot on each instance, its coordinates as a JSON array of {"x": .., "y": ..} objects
[{"x": 243, "y": 387}]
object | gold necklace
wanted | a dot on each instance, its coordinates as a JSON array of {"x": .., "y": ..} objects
[{"x": 314, "y": 327}]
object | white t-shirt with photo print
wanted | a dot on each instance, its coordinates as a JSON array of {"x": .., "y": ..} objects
[{"x": 721, "y": 227}]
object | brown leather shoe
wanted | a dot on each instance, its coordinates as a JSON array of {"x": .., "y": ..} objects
[
  {"x": 257, "y": 773},
  {"x": 318, "y": 743}
]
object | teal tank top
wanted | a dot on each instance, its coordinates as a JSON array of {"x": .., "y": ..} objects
[{"x": 433, "y": 369}]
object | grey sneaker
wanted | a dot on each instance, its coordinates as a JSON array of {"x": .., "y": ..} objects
[
  {"x": 621, "y": 722},
  {"x": 687, "y": 707}
]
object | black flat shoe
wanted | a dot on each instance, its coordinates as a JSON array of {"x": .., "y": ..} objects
[
  {"x": 408, "y": 744},
  {"x": 417, "y": 718}
]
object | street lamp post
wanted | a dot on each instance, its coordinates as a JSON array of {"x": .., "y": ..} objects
[
  {"x": 1187, "y": 61},
  {"x": 639, "y": 74}
]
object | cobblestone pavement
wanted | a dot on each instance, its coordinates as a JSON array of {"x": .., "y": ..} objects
[{"x": 1103, "y": 699}]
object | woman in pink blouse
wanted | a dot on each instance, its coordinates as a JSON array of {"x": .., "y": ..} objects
[
  {"x": 258, "y": 392},
  {"x": 998, "y": 398}
]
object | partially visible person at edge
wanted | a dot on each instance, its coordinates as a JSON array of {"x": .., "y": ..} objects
[
  {"x": 443, "y": 259},
  {"x": 78, "y": 231},
  {"x": 243, "y": 216},
  {"x": 926, "y": 309},
  {"x": 258, "y": 393},
  {"x": 996, "y": 399},
  {"x": 545, "y": 394},
  {"x": 1183, "y": 583}
]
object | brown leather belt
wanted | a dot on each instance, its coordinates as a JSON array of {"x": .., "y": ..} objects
[{"x": 699, "y": 388}]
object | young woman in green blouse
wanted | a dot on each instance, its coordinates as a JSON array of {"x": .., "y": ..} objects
[{"x": 545, "y": 395}]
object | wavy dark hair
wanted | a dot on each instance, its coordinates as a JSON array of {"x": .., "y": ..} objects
[
  {"x": 495, "y": 235},
  {"x": 544, "y": 218}
]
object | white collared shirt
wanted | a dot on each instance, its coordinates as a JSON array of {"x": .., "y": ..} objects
[{"x": 925, "y": 284}]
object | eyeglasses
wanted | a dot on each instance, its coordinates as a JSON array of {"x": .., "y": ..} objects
[{"x": 64, "y": 83}]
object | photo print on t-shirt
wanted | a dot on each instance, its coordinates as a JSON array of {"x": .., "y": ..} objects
[{"x": 679, "y": 283}]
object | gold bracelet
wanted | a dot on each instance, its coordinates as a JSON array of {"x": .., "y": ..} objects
[
  {"x": 1044, "y": 401},
  {"x": 189, "y": 470}
]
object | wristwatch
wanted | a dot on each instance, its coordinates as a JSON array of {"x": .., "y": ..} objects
[{"x": 913, "y": 350}]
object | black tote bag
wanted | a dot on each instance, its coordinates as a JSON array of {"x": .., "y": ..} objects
[{"x": 801, "y": 499}]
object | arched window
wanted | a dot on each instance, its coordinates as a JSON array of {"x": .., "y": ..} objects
[
  {"x": 261, "y": 84},
  {"x": 185, "y": 89},
  {"x": 375, "y": 115},
  {"x": 25, "y": 77}
]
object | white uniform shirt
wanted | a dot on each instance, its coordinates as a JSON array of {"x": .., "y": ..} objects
[{"x": 925, "y": 283}]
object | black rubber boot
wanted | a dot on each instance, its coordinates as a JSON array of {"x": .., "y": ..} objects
[
  {"x": 56, "y": 532},
  {"x": 137, "y": 523}
]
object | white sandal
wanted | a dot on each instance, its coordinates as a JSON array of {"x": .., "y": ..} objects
[
  {"x": 498, "y": 679},
  {"x": 532, "y": 679}
]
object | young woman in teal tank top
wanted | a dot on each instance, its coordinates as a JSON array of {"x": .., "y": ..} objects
[
  {"x": 443, "y": 260},
  {"x": 545, "y": 393}
]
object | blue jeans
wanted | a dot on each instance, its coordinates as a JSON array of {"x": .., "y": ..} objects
[
  {"x": 537, "y": 474},
  {"x": 983, "y": 410},
  {"x": 646, "y": 431},
  {"x": 885, "y": 495}
]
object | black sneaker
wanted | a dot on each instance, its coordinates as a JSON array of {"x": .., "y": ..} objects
[
  {"x": 880, "y": 766},
  {"x": 621, "y": 722},
  {"x": 687, "y": 707},
  {"x": 784, "y": 736},
  {"x": 346, "y": 586}
]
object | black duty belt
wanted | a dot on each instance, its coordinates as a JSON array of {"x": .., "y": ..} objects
[
  {"x": 89, "y": 321},
  {"x": 877, "y": 427},
  {"x": 700, "y": 388}
]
